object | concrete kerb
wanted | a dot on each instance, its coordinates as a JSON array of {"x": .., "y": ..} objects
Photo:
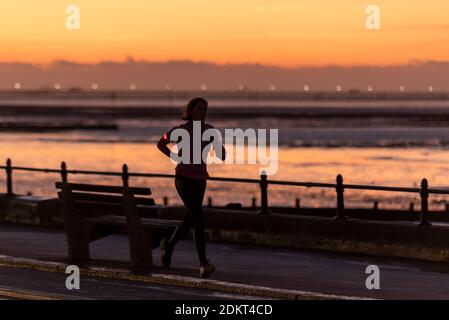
[
  {"x": 21, "y": 294},
  {"x": 172, "y": 280}
]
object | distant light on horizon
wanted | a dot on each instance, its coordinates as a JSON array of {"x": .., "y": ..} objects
[
  {"x": 241, "y": 87},
  {"x": 402, "y": 88},
  {"x": 17, "y": 86},
  {"x": 203, "y": 87},
  {"x": 370, "y": 88},
  {"x": 430, "y": 89},
  {"x": 94, "y": 86},
  {"x": 167, "y": 87},
  {"x": 306, "y": 88},
  {"x": 272, "y": 87},
  {"x": 57, "y": 86},
  {"x": 339, "y": 88},
  {"x": 132, "y": 87}
]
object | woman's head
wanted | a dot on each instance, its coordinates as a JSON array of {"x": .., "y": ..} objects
[{"x": 195, "y": 110}]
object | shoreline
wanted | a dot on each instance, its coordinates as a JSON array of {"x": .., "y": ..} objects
[{"x": 31, "y": 127}]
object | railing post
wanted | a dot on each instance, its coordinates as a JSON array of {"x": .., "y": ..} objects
[
  {"x": 209, "y": 202},
  {"x": 264, "y": 194},
  {"x": 165, "y": 201},
  {"x": 9, "y": 190},
  {"x": 64, "y": 172},
  {"x": 125, "y": 175},
  {"x": 340, "y": 199},
  {"x": 298, "y": 203},
  {"x": 424, "y": 217},
  {"x": 254, "y": 205}
]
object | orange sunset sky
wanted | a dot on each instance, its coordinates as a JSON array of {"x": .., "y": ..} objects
[{"x": 277, "y": 32}]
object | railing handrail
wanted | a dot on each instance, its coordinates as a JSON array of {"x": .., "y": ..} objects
[
  {"x": 424, "y": 191},
  {"x": 239, "y": 180}
]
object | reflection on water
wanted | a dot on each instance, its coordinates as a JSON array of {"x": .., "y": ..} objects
[{"x": 389, "y": 143}]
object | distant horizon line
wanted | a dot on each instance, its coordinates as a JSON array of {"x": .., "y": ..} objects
[
  {"x": 130, "y": 60},
  {"x": 229, "y": 93}
]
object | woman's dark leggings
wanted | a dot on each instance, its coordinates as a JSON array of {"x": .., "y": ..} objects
[{"x": 191, "y": 192}]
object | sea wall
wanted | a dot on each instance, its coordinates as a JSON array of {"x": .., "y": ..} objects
[{"x": 383, "y": 238}]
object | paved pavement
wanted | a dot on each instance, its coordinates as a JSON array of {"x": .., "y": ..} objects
[{"x": 323, "y": 272}]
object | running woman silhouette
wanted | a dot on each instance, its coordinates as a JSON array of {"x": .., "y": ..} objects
[{"x": 190, "y": 182}]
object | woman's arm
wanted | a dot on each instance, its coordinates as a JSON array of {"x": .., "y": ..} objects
[
  {"x": 223, "y": 152},
  {"x": 162, "y": 145},
  {"x": 220, "y": 145},
  {"x": 217, "y": 143}
]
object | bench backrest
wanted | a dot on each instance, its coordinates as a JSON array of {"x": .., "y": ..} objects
[
  {"x": 103, "y": 189},
  {"x": 97, "y": 200}
]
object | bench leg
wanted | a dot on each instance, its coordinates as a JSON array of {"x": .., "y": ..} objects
[
  {"x": 139, "y": 240},
  {"x": 78, "y": 248},
  {"x": 141, "y": 253},
  {"x": 78, "y": 244}
]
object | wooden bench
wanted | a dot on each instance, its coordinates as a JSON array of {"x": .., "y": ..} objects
[{"x": 93, "y": 212}]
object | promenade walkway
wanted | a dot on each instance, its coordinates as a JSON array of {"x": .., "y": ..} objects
[{"x": 296, "y": 270}]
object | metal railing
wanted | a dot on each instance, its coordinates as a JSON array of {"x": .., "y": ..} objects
[{"x": 424, "y": 191}]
